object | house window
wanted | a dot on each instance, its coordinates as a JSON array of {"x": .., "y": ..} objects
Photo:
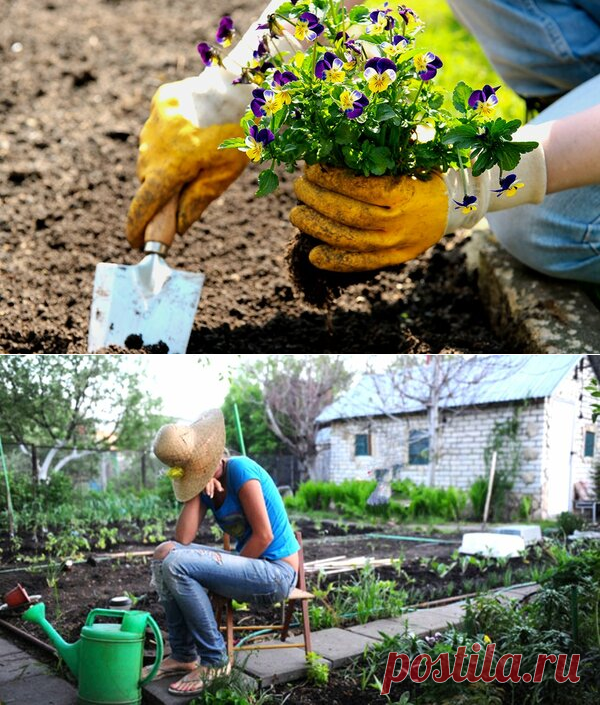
[
  {"x": 418, "y": 448},
  {"x": 362, "y": 444},
  {"x": 588, "y": 446}
]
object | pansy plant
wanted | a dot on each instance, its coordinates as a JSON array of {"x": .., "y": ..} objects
[{"x": 361, "y": 94}]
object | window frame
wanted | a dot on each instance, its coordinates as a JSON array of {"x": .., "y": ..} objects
[
  {"x": 423, "y": 435},
  {"x": 366, "y": 435},
  {"x": 587, "y": 434}
]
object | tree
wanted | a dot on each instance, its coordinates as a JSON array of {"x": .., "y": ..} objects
[
  {"x": 434, "y": 382},
  {"x": 295, "y": 389},
  {"x": 258, "y": 437},
  {"x": 83, "y": 403}
]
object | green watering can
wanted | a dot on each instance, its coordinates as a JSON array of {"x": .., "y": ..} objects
[{"x": 107, "y": 660}]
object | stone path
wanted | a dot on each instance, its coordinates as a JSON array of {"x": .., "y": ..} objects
[{"x": 23, "y": 679}]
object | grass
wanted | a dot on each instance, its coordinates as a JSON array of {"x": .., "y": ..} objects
[{"x": 464, "y": 59}]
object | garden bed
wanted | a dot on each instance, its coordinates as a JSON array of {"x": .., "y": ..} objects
[{"x": 77, "y": 95}]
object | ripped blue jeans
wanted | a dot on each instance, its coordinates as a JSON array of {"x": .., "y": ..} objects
[{"x": 189, "y": 572}]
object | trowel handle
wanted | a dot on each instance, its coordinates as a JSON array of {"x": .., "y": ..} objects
[{"x": 161, "y": 229}]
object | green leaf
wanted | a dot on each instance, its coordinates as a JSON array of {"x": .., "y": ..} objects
[
  {"x": 380, "y": 160},
  {"x": 345, "y": 133},
  {"x": 436, "y": 101},
  {"x": 509, "y": 153},
  {"x": 462, "y": 136},
  {"x": 268, "y": 181},
  {"x": 460, "y": 97},
  {"x": 232, "y": 142},
  {"x": 384, "y": 112},
  {"x": 359, "y": 13}
]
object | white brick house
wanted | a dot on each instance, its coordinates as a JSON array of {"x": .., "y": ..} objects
[{"x": 364, "y": 430}]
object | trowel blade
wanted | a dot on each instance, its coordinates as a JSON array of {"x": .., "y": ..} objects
[{"x": 149, "y": 300}]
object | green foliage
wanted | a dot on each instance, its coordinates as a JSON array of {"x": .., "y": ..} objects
[
  {"x": 561, "y": 619},
  {"x": 74, "y": 402},
  {"x": 569, "y": 522},
  {"x": 525, "y": 508},
  {"x": 594, "y": 389},
  {"x": 350, "y": 498},
  {"x": 477, "y": 495},
  {"x": 504, "y": 440},
  {"x": 448, "y": 504},
  {"x": 308, "y": 117},
  {"x": 258, "y": 437},
  {"x": 317, "y": 671}
]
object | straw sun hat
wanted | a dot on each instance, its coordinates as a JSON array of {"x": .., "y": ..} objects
[{"x": 191, "y": 452}]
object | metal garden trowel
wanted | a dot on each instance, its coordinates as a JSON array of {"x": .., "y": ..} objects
[{"x": 146, "y": 304}]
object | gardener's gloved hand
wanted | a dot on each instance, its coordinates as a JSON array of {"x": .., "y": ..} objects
[
  {"x": 179, "y": 148},
  {"x": 375, "y": 222}
]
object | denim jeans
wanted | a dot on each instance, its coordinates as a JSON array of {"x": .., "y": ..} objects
[
  {"x": 544, "y": 48},
  {"x": 189, "y": 572}
]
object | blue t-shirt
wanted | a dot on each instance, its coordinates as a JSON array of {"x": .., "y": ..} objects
[{"x": 230, "y": 515}]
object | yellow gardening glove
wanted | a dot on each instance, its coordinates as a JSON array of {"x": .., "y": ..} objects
[
  {"x": 179, "y": 149},
  {"x": 368, "y": 222},
  {"x": 372, "y": 222}
]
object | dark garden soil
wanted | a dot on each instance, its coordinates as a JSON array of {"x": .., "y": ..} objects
[
  {"x": 77, "y": 78},
  {"x": 94, "y": 579}
]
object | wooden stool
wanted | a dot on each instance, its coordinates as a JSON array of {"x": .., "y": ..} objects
[{"x": 297, "y": 595}]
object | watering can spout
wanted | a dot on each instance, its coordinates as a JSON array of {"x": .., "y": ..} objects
[{"x": 68, "y": 652}]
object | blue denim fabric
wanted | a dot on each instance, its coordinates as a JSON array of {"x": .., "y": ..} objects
[
  {"x": 539, "y": 47},
  {"x": 561, "y": 236},
  {"x": 185, "y": 577}
]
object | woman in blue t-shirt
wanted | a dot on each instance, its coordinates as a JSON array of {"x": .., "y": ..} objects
[{"x": 246, "y": 504}]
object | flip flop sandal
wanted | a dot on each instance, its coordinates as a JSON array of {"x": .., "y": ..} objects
[
  {"x": 164, "y": 672},
  {"x": 203, "y": 675}
]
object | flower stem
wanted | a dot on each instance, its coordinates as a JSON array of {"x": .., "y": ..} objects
[{"x": 463, "y": 174}]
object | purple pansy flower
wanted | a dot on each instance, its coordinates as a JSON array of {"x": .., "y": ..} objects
[
  {"x": 308, "y": 27},
  {"x": 261, "y": 49},
  {"x": 508, "y": 185},
  {"x": 256, "y": 141},
  {"x": 225, "y": 31},
  {"x": 427, "y": 65},
  {"x": 380, "y": 73},
  {"x": 353, "y": 103},
  {"x": 484, "y": 101},
  {"x": 408, "y": 16},
  {"x": 208, "y": 54},
  {"x": 265, "y": 102},
  {"x": 467, "y": 205},
  {"x": 281, "y": 79},
  {"x": 397, "y": 46},
  {"x": 380, "y": 22},
  {"x": 330, "y": 68},
  {"x": 275, "y": 29}
]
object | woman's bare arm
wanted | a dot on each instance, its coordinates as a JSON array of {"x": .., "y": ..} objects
[
  {"x": 189, "y": 520},
  {"x": 255, "y": 510}
]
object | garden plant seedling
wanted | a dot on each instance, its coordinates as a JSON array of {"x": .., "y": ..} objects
[{"x": 149, "y": 302}]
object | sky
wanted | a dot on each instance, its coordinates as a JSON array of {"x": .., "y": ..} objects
[{"x": 190, "y": 384}]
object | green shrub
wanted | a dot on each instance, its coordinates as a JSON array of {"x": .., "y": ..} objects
[
  {"x": 569, "y": 522},
  {"x": 350, "y": 496},
  {"x": 477, "y": 494}
]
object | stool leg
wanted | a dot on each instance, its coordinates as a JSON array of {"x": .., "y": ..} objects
[
  {"x": 230, "y": 630},
  {"x": 289, "y": 610},
  {"x": 306, "y": 626}
]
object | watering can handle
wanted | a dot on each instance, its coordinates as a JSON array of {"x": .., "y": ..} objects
[
  {"x": 159, "y": 650},
  {"x": 100, "y": 612}
]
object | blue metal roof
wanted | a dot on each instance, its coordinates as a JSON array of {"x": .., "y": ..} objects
[{"x": 481, "y": 379}]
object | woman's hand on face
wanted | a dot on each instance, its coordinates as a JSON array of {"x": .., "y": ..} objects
[{"x": 213, "y": 486}]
